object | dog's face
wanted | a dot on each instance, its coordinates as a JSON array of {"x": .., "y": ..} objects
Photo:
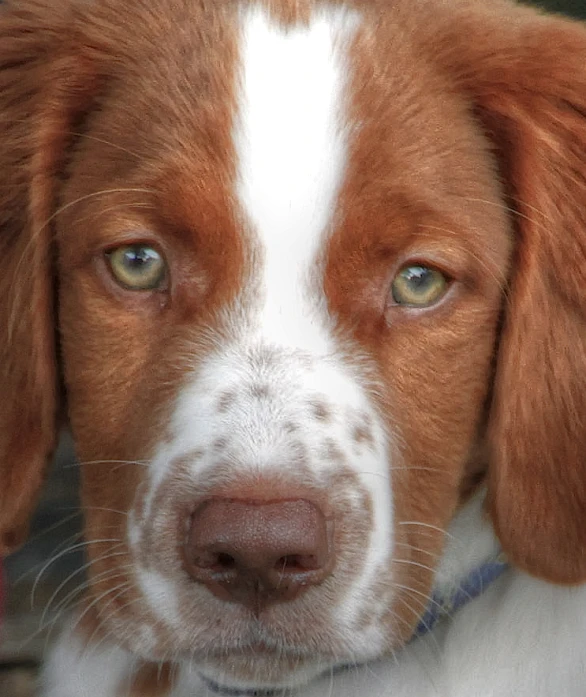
[
  {"x": 311, "y": 282},
  {"x": 285, "y": 239}
]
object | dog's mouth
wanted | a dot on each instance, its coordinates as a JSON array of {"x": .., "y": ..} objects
[{"x": 260, "y": 670}]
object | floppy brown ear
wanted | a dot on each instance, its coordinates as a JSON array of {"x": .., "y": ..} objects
[
  {"x": 525, "y": 74},
  {"x": 38, "y": 87}
]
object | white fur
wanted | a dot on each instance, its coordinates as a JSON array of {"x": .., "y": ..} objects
[
  {"x": 521, "y": 638},
  {"x": 291, "y": 153},
  {"x": 460, "y": 557},
  {"x": 290, "y": 146},
  {"x": 76, "y": 670}
]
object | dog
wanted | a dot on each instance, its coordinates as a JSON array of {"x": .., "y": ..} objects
[{"x": 306, "y": 280}]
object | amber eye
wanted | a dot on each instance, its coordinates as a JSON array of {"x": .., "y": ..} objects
[
  {"x": 418, "y": 286},
  {"x": 137, "y": 266}
]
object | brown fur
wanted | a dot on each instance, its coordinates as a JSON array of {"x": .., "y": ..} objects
[
  {"x": 529, "y": 90},
  {"x": 472, "y": 148}
]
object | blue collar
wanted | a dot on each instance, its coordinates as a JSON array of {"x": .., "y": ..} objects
[
  {"x": 440, "y": 606},
  {"x": 445, "y": 605},
  {"x": 235, "y": 692}
]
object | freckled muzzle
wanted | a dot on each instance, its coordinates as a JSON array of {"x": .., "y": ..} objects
[
  {"x": 268, "y": 521},
  {"x": 264, "y": 580}
]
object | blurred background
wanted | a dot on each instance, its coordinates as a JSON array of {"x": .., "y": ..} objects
[
  {"x": 46, "y": 576},
  {"x": 577, "y": 8}
]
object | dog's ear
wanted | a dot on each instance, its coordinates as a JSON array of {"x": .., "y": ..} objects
[
  {"x": 525, "y": 75},
  {"x": 41, "y": 95}
]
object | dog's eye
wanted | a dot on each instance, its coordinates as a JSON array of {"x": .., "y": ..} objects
[
  {"x": 137, "y": 266},
  {"x": 418, "y": 286}
]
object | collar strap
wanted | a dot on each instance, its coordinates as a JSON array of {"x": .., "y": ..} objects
[
  {"x": 470, "y": 587},
  {"x": 218, "y": 689}
]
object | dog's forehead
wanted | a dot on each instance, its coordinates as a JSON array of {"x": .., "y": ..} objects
[
  {"x": 282, "y": 126},
  {"x": 290, "y": 141}
]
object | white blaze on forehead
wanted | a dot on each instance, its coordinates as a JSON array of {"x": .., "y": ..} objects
[{"x": 291, "y": 154}]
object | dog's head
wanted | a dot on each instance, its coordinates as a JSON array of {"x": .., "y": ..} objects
[{"x": 301, "y": 276}]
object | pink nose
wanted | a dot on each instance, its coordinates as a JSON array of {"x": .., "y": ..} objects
[{"x": 256, "y": 552}]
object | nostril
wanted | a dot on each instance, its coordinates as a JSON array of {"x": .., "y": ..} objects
[
  {"x": 212, "y": 561},
  {"x": 226, "y": 561}
]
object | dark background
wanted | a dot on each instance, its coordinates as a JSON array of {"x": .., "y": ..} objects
[{"x": 573, "y": 7}]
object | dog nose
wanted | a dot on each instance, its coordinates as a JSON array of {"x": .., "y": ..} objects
[{"x": 256, "y": 552}]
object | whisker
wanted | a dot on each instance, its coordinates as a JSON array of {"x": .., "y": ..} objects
[
  {"x": 71, "y": 601},
  {"x": 37, "y": 536},
  {"x": 68, "y": 550},
  {"x": 35, "y": 567},
  {"x": 105, "y": 509},
  {"x": 500, "y": 278},
  {"x": 82, "y": 568},
  {"x": 85, "y": 463},
  {"x": 33, "y": 635},
  {"x": 51, "y": 624},
  {"x": 400, "y": 468},
  {"x": 514, "y": 211},
  {"x": 86, "y": 136},
  {"x": 413, "y": 563},
  {"x": 435, "y": 555},
  {"x": 431, "y": 637},
  {"x": 16, "y": 303},
  {"x": 421, "y": 621},
  {"x": 438, "y": 470},
  {"x": 427, "y": 526},
  {"x": 87, "y": 583},
  {"x": 95, "y": 215},
  {"x": 118, "y": 590},
  {"x": 427, "y": 599}
]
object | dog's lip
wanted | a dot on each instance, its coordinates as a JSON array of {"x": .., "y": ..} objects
[
  {"x": 252, "y": 648},
  {"x": 267, "y": 648},
  {"x": 255, "y": 647}
]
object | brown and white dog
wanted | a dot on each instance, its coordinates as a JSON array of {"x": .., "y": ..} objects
[{"x": 308, "y": 280}]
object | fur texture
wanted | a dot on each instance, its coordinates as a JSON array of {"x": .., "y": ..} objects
[{"x": 288, "y": 161}]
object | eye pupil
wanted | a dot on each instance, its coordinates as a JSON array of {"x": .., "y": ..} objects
[
  {"x": 418, "y": 276},
  {"x": 138, "y": 257}
]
